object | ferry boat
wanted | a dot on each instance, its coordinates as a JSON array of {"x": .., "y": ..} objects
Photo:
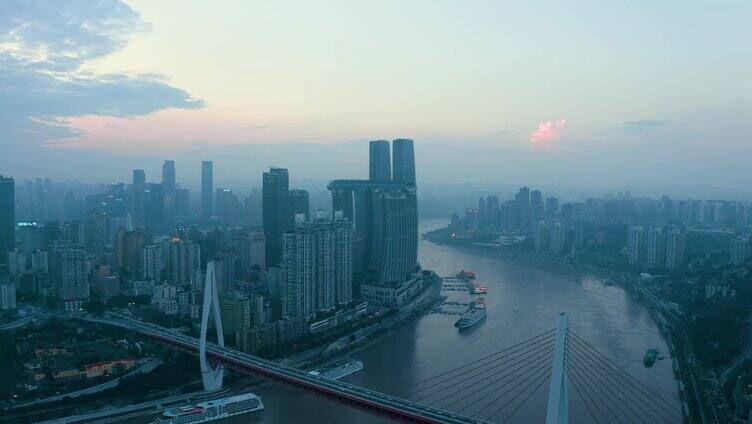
[
  {"x": 479, "y": 303},
  {"x": 467, "y": 275},
  {"x": 479, "y": 289},
  {"x": 470, "y": 318},
  {"x": 338, "y": 369},
  {"x": 205, "y": 412}
]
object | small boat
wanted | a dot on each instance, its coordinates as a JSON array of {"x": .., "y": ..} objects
[
  {"x": 479, "y": 303},
  {"x": 650, "y": 356},
  {"x": 470, "y": 318}
]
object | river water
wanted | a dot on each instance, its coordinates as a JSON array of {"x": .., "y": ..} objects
[{"x": 606, "y": 316}]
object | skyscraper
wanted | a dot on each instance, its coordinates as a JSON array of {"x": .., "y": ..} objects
[
  {"x": 404, "y": 160},
  {"x": 7, "y": 217},
  {"x": 522, "y": 208},
  {"x": 207, "y": 188},
  {"x": 276, "y": 212},
  {"x": 137, "y": 197},
  {"x": 139, "y": 177},
  {"x": 379, "y": 161},
  {"x": 168, "y": 177},
  {"x": 299, "y": 203},
  {"x": 394, "y": 252}
]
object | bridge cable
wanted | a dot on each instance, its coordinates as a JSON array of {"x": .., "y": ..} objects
[
  {"x": 599, "y": 379},
  {"x": 624, "y": 372},
  {"x": 524, "y": 401},
  {"x": 619, "y": 382},
  {"x": 575, "y": 368},
  {"x": 537, "y": 348},
  {"x": 536, "y": 363},
  {"x": 537, "y": 379},
  {"x": 547, "y": 334},
  {"x": 525, "y": 357},
  {"x": 580, "y": 388},
  {"x": 579, "y": 393},
  {"x": 651, "y": 395}
]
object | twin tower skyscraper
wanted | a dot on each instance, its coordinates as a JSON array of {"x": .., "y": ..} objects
[
  {"x": 380, "y": 161},
  {"x": 384, "y": 213}
]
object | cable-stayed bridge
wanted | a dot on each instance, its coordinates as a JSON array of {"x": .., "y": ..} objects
[{"x": 492, "y": 388}]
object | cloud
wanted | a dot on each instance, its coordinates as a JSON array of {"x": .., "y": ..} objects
[
  {"x": 43, "y": 45},
  {"x": 642, "y": 126},
  {"x": 548, "y": 131}
]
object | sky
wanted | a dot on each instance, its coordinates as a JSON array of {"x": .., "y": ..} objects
[{"x": 585, "y": 93}]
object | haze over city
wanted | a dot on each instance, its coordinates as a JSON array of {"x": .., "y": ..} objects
[{"x": 628, "y": 94}]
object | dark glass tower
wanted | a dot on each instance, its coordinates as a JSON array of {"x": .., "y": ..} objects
[
  {"x": 379, "y": 161},
  {"x": 207, "y": 188},
  {"x": 276, "y": 212},
  {"x": 168, "y": 177},
  {"x": 7, "y": 217},
  {"x": 404, "y": 160}
]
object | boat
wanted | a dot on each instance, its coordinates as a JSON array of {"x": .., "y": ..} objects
[
  {"x": 211, "y": 410},
  {"x": 338, "y": 369},
  {"x": 479, "y": 303},
  {"x": 650, "y": 357},
  {"x": 467, "y": 275},
  {"x": 479, "y": 289},
  {"x": 470, "y": 318}
]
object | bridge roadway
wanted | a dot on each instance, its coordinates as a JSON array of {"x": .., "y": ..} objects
[{"x": 369, "y": 400}]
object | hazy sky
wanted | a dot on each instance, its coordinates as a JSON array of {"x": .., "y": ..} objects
[{"x": 633, "y": 93}]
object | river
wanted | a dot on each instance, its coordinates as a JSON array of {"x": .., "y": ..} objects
[{"x": 606, "y": 316}]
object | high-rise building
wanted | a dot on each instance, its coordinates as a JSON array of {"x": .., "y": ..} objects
[
  {"x": 74, "y": 285},
  {"x": 739, "y": 251},
  {"x": 184, "y": 261},
  {"x": 403, "y": 157},
  {"x": 228, "y": 207},
  {"x": 276, "y": 212},
  {"x": 181, "y": 202},
  {"x": 128, "y": 250},
  {"x": 675, "y": 242},
  {"x": 656, "y": 248},
  {"x": 522, "y": 208},
  {"x": 379, "y": 161},
  {"x": 552, "y": 206},
  {"x": 137, "y": 201},
  {"x": 299, "y": 203},
  {"x": 168, "y": 177},
  {"x": 7, "y": 216},
  {"x": 8, "y": 296},
  {"x": 558, "y": 237},
  {"x": 482, "y": 213},
  {"x": 317, "y": 264},
  {"x": 636, "y": 245},
  {"x": 394, "y": 252},
  {"x": 152, "y": 262},
  {"x": 207, "y": 188},
  {"x": 256, "y": 249}
]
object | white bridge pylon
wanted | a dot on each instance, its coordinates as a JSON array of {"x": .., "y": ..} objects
[
  {"x": 558, "y": 393},
  {"x": 211, "y": 377}
]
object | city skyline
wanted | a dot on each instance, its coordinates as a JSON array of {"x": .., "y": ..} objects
[{"x": 648, "y": 113}]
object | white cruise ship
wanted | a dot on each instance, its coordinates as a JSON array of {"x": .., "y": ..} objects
[
  {"x": 338, "y": 369},
  {"x": 205, "y": 412},
  {"x": 473, "y": 316}
]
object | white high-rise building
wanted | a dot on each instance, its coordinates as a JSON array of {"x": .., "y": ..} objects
[
  {"x": 675, "y": 241},
  {"x": 317, "y": 264},
  {"x": 8, "y": 296},
  {"x": 636, "y": 244},
  {"x": 256, "y": 249},
  {"x": 656, "y": 248},
  {"x": 739, "y": 250}
]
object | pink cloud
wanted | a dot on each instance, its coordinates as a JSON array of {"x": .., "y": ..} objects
[{"x": 548, "y": 131}]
